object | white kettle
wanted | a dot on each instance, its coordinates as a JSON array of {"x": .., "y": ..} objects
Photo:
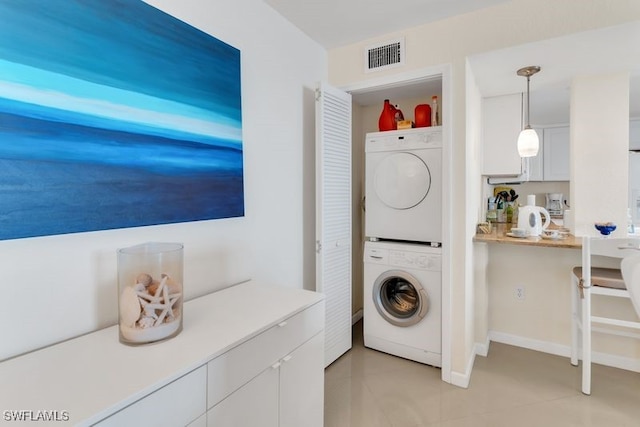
[{"x": 530, "y": 217}]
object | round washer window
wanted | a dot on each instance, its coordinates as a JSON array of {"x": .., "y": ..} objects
[
  {"x": 402, "y": 180},
  {"x": 399, "y": 298}
]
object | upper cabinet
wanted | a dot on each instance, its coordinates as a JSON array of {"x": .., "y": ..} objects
[
  {"x": 536, "y": 164},
  {"x": 634, "y": 134},
  {"x": 552, "y": 161},
  {"x": 501, "y": 125},
  {"x": 556, "y": 154}
]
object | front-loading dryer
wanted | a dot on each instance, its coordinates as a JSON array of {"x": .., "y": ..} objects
[
  {"x": 403, "y": 185},
  {"x": 402, "y": 300}
]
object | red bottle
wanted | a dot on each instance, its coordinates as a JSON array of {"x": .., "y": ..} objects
[
  {"x": 387, "y": 120},
  {"x": 423, "y": 115}
]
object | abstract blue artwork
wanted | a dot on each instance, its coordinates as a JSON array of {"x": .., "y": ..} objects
[{"x": 114, "y": 114}]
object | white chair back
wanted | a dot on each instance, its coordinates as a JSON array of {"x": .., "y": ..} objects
[
  {"x": 593, "y": 280},
  {"x": 630, "y": 267}
]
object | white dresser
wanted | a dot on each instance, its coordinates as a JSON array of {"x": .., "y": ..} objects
[{"x": 249, "y": 355}]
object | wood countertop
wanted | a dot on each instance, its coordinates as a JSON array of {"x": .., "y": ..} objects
[{"x": 499, "y": 235}]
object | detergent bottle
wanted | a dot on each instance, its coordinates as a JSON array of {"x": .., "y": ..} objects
[{"x": 387, "y": 120}]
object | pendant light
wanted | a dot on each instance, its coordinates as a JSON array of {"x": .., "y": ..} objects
[{"x": 528, "y": 142}]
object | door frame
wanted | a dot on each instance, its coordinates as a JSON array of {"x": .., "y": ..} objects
[{"x": 412, "y": 77}]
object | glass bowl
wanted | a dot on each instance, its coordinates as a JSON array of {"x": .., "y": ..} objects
[{"x": 605, "y": 228}]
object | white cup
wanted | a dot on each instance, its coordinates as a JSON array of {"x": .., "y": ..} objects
[
  {"x": 519, "y": 232},
  {"x": 553, "y": 234}
]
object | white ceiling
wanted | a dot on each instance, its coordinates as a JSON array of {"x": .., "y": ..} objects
[
  {"x": 608, "y": 50},
  {"x": 334, "y": 23}
]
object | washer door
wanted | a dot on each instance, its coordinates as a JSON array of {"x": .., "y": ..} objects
[
  {"x": 399, "y": 298},
  {"x": 402, "y": 180}
]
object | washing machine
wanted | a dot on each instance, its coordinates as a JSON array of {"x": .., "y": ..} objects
[
  {"x": 403, "y": 185},
  {"x": 403, "y": 300}
]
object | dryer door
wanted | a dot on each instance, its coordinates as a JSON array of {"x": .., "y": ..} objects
[
  {"x": 399, "y": 298},
  {"x": 402, "y": 180}
]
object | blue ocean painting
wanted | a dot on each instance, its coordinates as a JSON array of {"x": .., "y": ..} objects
[{"x": 114, "y": 114}]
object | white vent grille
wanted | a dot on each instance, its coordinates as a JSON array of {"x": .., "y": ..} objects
[{"x": 387, "y": 55}]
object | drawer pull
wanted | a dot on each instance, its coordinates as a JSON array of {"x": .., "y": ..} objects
[
  {"x": 281, "y": 324},
  {"x": 287, "y": 358},
  {"x": 276, "y": 365}
]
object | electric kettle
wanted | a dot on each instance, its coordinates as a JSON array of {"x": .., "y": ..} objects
[{"x": 530, "y": 217}]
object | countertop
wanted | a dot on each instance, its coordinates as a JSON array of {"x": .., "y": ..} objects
[{"x": 498, "y": 235}]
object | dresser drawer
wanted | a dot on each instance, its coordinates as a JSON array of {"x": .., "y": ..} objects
[
  {"x": 176, "y": 404},
  {"x": 239, "y": 365}
]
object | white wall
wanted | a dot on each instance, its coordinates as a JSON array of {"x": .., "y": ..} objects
[
  {"x": 59, "y": 287},
  {"x": 600, "y": 151},
  {"x": 542, "y": 321},
  {"x": 476, "y": 304},
  {"x": 450, "y": 41}
]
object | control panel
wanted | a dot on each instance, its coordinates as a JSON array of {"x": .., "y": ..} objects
[{"x": 409, "y": 259}]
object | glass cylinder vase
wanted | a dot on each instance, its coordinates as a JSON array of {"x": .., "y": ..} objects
[{"x": 150, "y": 292}]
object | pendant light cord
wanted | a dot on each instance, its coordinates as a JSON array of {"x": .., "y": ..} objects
[{"x": 528, "y": 126}]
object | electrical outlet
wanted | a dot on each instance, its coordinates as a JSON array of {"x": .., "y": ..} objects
[{"x": 519, "y": 293}]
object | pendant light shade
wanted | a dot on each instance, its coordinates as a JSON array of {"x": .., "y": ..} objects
[{"x": 528, "y": 142}]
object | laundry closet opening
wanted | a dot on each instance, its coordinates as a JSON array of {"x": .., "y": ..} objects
[
  {"x": 366, "y": 108},
  {"x": 367, "y": 104}
]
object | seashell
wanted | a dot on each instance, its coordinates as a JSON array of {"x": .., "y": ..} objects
[
  {"x": 149, "y": 311},
  {"x": 129, "y": 307},
  {"x": 153, "y": 287},
  {"x": 144, "y": 279},
  {"x": 146, "y": 322},
  {"x": 174, "y": 286}
]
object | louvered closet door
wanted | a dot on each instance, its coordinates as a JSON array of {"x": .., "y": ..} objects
[{"x": 333, "y": 216}]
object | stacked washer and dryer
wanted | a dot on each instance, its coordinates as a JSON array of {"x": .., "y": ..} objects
[{"x": 402, "y": 252}]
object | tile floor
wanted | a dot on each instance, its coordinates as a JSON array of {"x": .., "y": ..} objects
[{"x": 511, "y": 387}]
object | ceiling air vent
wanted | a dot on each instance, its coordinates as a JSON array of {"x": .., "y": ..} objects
[{"x": 387, "y": 55}]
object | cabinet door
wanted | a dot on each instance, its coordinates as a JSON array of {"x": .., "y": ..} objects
[
  {"x": 556, "y": 154},
  {"x": 302, "y": 385},
  {"x": 634, "y": 135},
  {"x": 536, "y": 163},
  {"x": 253, "y": 405},
  {"x": 501, "y": 125}
]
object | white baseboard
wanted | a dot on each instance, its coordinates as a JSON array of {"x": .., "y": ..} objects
[
  {"x": 462, "y": 379},
  {"x": 482, "y": 349},
  {"x": 356, "y": 317},
  {"x": 531, "y": 344},
  {"x": 606, "y": 359}
]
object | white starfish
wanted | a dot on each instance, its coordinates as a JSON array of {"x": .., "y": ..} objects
[{"x": 161, "y": 300}]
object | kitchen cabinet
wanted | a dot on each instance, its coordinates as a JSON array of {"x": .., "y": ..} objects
[
  {"x": 501, "y": 125},
  {"x": 556, "y": 154},
  {"x": 552, "y": 161},
  {"x": 634, "y": 134},
  {"x": 249, "y": 355},
  {"x": 536, "y": 163}
]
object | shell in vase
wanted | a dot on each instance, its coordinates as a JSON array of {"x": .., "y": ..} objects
[{"x": 130, "y": 308}]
